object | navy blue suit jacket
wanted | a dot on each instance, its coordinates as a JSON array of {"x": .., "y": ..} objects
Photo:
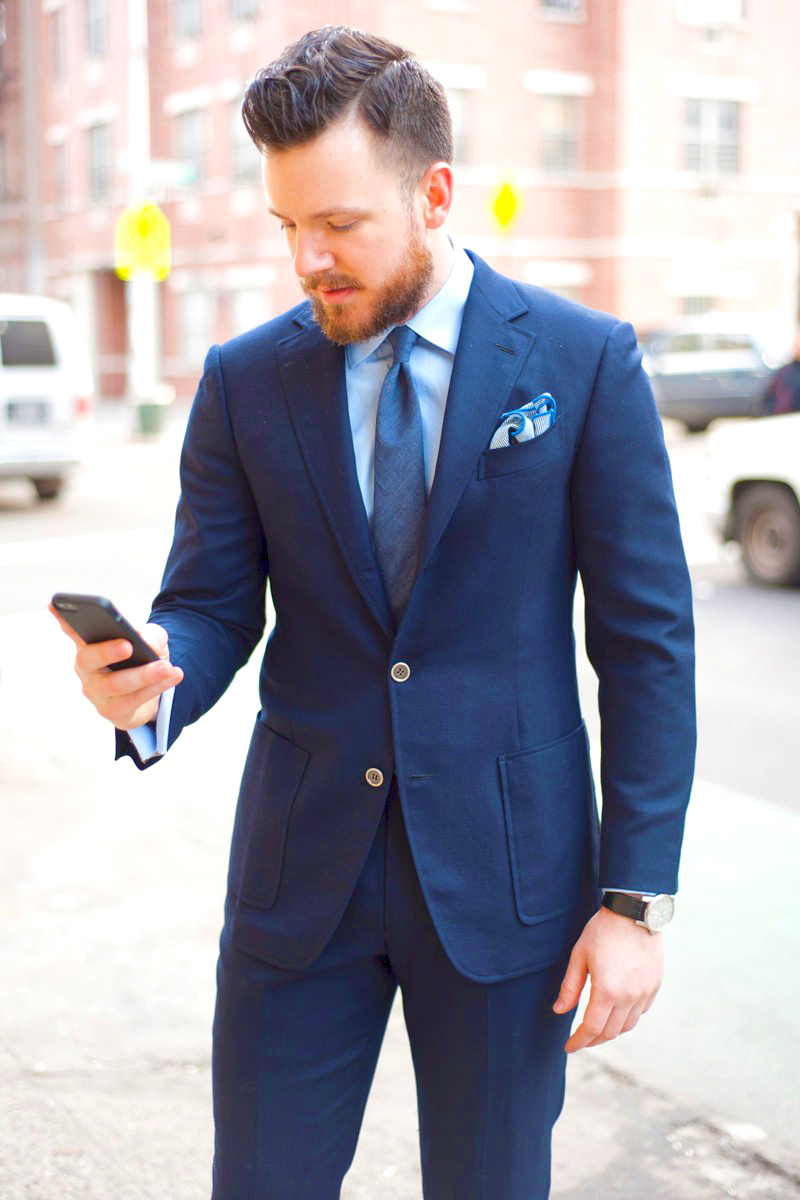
[{"x": 486, "y": 736}]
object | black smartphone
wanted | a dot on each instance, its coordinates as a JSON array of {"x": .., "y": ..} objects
[{"x": 96, "y": 619}]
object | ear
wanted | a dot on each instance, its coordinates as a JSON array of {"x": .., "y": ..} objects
[{"x": 435, "y": 191}]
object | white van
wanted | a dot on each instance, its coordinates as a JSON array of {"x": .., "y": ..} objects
[{"x": 46, "y": 391}]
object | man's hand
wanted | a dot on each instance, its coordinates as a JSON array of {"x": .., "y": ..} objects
[
  {"x": 126, "y": 698},
  {"x": 626, "y": 965}
]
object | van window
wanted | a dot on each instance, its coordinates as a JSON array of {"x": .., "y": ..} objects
[
  {"x": 26, "y": 344},
  {"x": 684, "y": 343},
  {"x": 729, "y": 341}
]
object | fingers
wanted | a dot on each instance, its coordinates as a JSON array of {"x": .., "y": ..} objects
[
  {"x": 68, "y": 630},
  {"x": 122, "y": 689},
  {"x": 621, "y": 1019},
  {"x": 605, "y": 1020},
  {"x": 592, "y": 1025},
  {"x": 574, "y": 981},
  {"x": 94, "y": 657},
  {"x": 156, "y": 636},
  {"x": 126, "y": 711}
]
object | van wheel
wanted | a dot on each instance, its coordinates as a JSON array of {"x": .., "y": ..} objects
[
  {"x": 768, "y": 519},
  {"x": 48, "y": 489}
]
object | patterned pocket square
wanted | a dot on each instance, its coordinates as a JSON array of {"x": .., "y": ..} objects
[{"x": 522, "y": 424}]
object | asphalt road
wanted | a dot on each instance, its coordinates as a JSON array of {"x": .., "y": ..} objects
[{"x": 110, "y": 895}]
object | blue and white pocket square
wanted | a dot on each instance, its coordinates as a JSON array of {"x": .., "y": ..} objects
[{"x": 522, "y": 424}]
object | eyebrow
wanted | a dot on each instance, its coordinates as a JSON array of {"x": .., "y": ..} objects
[{"x": 341, "y": 210}]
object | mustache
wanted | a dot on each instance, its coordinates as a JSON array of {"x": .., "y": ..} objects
[{"x": 329, "y": 283}]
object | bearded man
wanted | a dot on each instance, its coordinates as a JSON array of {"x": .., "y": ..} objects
[{"x": 421, "y": 457}]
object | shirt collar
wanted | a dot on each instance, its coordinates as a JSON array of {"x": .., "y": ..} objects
[{"x": 438, "y": 321}]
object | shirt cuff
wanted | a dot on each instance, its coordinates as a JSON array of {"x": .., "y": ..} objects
[
  {"x": 151, "y": 739},
  {"x": 627, "y": 892}
]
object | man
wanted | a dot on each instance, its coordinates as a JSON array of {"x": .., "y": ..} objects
[
  {"x": 782, "y": 393},
  {"x": 417, "y": 803}
]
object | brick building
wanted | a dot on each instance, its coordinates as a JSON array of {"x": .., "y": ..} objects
[{"x": 653, "y": 144}]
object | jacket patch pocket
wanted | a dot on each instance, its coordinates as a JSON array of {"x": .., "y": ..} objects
[
  {"x": 552, "y": 825},
  {"x": 272, "y": 774},
  {"x": 520, "y": 455}
]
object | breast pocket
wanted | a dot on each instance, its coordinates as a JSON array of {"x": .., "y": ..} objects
[
  {"x": 272, "y": 775},
  {"x": 519, "y": 456},
  {"x": 552, "y": 825}
]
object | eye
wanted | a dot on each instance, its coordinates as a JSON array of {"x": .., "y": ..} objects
[
  {"x": 285, "y": 225},
  {"x": 344, "y": 228}
]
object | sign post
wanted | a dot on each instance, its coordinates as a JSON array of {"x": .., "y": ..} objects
[{"x": 142, "y": 256}]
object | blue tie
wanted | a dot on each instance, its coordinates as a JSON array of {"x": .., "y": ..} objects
[{"x": 400, "y": 494}]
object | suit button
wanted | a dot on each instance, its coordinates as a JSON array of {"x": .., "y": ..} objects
[
  {"x": 400, "y": 672},
  {"x": 374, "y": 777}
]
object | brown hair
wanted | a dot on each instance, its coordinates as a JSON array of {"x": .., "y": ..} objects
[{"x": 331, "y": 71}]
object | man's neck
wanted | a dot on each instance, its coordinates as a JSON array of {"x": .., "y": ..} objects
[{"x": 443, "y": 257}]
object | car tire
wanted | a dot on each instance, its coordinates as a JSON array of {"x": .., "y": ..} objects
[
  {"x": 768, "y": 523},
  {"x": 48, "y": 489},
  {"x": 697, "y": 426}
]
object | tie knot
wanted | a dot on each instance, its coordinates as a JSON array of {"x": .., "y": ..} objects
[{"x": 402, "y": 339}]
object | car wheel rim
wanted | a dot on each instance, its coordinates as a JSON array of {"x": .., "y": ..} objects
[{"x": 769, "y": 541}]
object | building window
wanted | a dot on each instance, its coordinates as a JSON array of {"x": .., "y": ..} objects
[
  {"x": 559, "y": 132},
  {"x": 187, "y": 18},
  {"x": 249, "y": 307},
  {"x": 197, "y": 311},
  {"x": 711, "y": 136},
  {"x": 710, "y": 12},
  {"x": 60, "y": 181},
  {"x": 191, "y": 145},
  {"x": 57, "y": 44},
  {"x": 242, "y": 10},
  {"x": 99, "y": 161},
  {"x": 562, "y": 8},
  {"x": 3, "y": 170},
  {"x": 96, "y": 28},
  {"x": 245, "y": 159},
  {"x": 449, "y": 6},
  {"x": 695, "y": 306},
  {"x": 459, "y": 101}
]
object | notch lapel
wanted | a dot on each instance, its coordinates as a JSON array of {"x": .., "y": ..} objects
[
  {"x": 312, "y": 372},
  {"x": 490, "y": 354}
]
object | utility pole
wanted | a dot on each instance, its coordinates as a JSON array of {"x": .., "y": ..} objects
[{"x": 141, "y": 295}]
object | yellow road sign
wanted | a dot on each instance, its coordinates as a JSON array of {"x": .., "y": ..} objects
[
  {"x": 142, "y": 242},
  {"x": 506, "y": 205}
]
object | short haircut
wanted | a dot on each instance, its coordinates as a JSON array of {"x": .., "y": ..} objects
[{"x": 331, "y": 72}]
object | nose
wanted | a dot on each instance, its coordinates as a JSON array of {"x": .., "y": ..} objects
[{"x": 311, "y": 254}]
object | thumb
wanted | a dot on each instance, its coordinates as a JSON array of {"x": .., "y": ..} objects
[
  {"x": 156, "y": 636},
  {"x": 573, "y": 982}
]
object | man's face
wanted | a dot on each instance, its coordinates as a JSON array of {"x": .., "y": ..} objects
[{"x": 358, "y": 243}]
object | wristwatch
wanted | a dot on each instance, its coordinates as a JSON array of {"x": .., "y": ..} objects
[{"x": 654, "y": 913}]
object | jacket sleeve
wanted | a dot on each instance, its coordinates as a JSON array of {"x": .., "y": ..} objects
[
  {"x": 213, "y": 591},
  {"x": 639, "y": 624}
]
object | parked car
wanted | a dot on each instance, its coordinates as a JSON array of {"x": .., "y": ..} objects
[
  {"x": 46, "y": 391},
  {"x": 753, "y": 474},
  {"x": 700, "y": 370}
]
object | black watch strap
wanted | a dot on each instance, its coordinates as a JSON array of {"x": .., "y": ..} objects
[{"x": 626, "y": 906}]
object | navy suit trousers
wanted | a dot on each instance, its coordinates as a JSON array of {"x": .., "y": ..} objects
[{"x": 295, "y": 1052}]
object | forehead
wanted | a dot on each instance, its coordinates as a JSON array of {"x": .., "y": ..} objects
[{"x": 339, "y": 167}]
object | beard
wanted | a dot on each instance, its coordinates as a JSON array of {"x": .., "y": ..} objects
[{"x": 397, "y": 300}]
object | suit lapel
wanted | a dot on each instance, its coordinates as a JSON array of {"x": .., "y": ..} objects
[
  {"x": 312, "y": 371},
  {"x": 490, "y": 354}
]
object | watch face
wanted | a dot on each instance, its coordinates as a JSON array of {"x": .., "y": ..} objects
[{"x": 659, "y": 913}]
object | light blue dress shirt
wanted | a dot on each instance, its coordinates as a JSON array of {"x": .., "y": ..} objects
[{"x": 367, "y": 363}]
